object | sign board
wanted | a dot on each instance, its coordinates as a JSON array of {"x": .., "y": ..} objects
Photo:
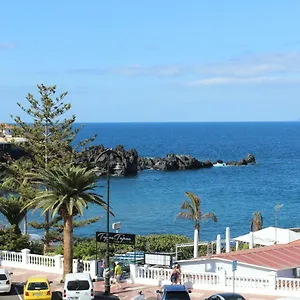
[
  {"x": 116, "y": 238},
  {"x": 160, "y": 259},
  {"x": 234, "y": 265}
]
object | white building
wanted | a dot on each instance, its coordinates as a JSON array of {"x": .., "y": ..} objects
[
  {"x": 269, "y": 236},
  {"x": 284, "y": 260}
]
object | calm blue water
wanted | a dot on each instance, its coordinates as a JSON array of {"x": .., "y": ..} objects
[{"x": 149, "y": 202}]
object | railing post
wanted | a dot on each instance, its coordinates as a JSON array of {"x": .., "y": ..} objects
[
  {"x": 222, "y": 277},
  {"x": 272, "y": 281},
  {"x": 93, "y": 268},
  {"x": 133, "y": 272},
  {"x": 218, "y": 247},
  {"x": 227, "y": 239},
  {"x": 25, "y": 258},
  {"x": 58, "y": 262}
]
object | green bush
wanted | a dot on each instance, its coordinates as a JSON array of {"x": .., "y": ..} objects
[
  {"x": 85, "y": 248},
  {"x": 12, "y": 241}
]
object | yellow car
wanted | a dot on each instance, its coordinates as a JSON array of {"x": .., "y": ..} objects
[{"x": 37, "y": 288}]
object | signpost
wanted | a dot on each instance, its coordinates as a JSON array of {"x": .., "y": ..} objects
[
  {"x": 116, "y": 238},
  {"x": 234, "y": 267}
]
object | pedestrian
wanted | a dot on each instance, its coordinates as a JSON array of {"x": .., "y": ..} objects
[
  {"x": 174, "y": 275},
  {"x": 80, "y": 266},
  {"x": 118, "y": 273},
  {"x": 178, "y": 274}
]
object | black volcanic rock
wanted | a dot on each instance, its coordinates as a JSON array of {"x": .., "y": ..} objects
[
  {"x": 122, "y": 162},
  {"x": 127, "y": 162}
]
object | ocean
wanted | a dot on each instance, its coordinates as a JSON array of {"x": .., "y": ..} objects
[{"x": 149, "y": 202}]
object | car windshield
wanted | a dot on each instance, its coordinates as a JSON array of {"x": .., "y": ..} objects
[
  {"x": 177, "y": 295},
  {"x": 3, "y": 277},
  {"x": 234, "y": 298},
  {"x": 78, "y": 285},
  {"x": 33, "y": 286}
]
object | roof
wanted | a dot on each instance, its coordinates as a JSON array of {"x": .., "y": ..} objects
[
  {"x": 174, "y": 288},
  {"x": 270, "y": 236},
  {"x": 277, "y": 257},
  {"x": 6, "y": 126},
  {"x": 3, "y": 271},
  {"x": 77, "y": 276},
  {"x": 228, "y": 294},
  {"x": 37, "y": 279}
]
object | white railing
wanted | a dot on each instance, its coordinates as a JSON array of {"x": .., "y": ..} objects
[
  {"x": 51, "y": 264},
  {"x": 269, "y": 285},
  {"x": 247, "y": 282},
  {"x": 288, "y": 284}
]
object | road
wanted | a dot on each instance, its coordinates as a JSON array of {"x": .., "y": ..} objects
[{"x": 17, "y": 293}]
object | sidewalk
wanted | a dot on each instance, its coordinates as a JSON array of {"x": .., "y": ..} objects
[{"x": 127, "y": 291}]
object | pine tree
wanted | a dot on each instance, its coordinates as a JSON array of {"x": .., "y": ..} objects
[{"x": 50, "y": 138}]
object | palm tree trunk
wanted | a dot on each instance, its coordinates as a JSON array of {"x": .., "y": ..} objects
[
  {"x": 196, "y": 240},
  {"x": 68, "y": 245},
  {"x": 25, "y": 225},
  {"x": 46, "y": 233}
]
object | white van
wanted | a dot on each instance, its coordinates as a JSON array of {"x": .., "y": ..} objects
[
  {"x": 78, "y": 286},
  {"x": 5, "y": 281}
]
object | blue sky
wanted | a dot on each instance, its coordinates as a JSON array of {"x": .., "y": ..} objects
[{"x": 155, "y": 60}]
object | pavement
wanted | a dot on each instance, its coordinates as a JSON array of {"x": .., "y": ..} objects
[{"x": 127, "y": 291}]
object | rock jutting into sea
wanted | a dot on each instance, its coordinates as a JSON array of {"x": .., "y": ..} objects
[
  {"x": 127, "y": 162},
  {"x": 124, "y": 162}
]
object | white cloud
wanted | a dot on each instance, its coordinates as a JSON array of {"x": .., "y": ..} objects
[
  {"x": 241, "y": 80},
  {"x": 253, "y": 69}
]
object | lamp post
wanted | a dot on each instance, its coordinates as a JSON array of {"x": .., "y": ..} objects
[{"x": 107, "y": 271}]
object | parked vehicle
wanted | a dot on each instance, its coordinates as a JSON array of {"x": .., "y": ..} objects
[
  {"x": 174, "y": 292},
  {"x": 5, "y": 281},
  {"x": 226, "y": 296},
  {"x": 37, "y": 288},
  {"x": 78, "y": 286}
]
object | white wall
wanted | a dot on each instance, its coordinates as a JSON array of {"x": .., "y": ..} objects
[{"x": 215, "y": 265}]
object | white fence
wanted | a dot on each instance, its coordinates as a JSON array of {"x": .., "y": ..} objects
[
  {"x": 270, "y": 285},
  {"x": 51, "y": 264}
]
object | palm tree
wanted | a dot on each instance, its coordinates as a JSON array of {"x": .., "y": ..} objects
[
  {"x": 68, "y": 189},
  {"x": 257, "y": 221},
  {"x": 11, "y": 208},
  {"x": 192, "y": 211},
  {"x": 15, "y": 181}
]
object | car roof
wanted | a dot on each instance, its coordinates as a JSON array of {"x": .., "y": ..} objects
[
  {"x": 174, "y": 288},
  {"x": 3, "y": 271},
  {"x": 37, "y": 279},
  {"x": 229, "y": 294},
  {"x": 77, "y": 276}
]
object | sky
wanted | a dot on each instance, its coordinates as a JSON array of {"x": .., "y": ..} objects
[{"x": 154, "y": 60}]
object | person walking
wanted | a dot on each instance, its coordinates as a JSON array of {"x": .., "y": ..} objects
[
  {"x": 178, "y": 274},
  {"x": 118, "y": 273},
  {"x": 80, "y": 266},
  {"x": 174, "y": 276}
]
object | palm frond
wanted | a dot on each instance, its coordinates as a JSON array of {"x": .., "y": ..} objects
[{"x": 209, "y": 216}]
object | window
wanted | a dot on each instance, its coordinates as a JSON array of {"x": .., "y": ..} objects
[
  {"x": 177, "y": 295},
  {"x": 78, "y": 285},
  {"x": 40, "y": 286},
  {"x": 3, "y": 277}
]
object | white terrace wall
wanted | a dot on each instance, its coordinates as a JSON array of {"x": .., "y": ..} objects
[
  {"x": 216, "y": 265},
  {"x": 220, "y": 281},
  {"x": 51, "y": 264}
]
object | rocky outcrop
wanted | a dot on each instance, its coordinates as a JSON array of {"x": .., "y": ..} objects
[
  {"x": 250, "y": 159},
  {"x": 174, "y": 162},
  {"x": 119, "y": 161},
  {"x": 123, "y": 162}
]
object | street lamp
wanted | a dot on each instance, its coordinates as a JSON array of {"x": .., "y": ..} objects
[{"x": 118, "y": 167}]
